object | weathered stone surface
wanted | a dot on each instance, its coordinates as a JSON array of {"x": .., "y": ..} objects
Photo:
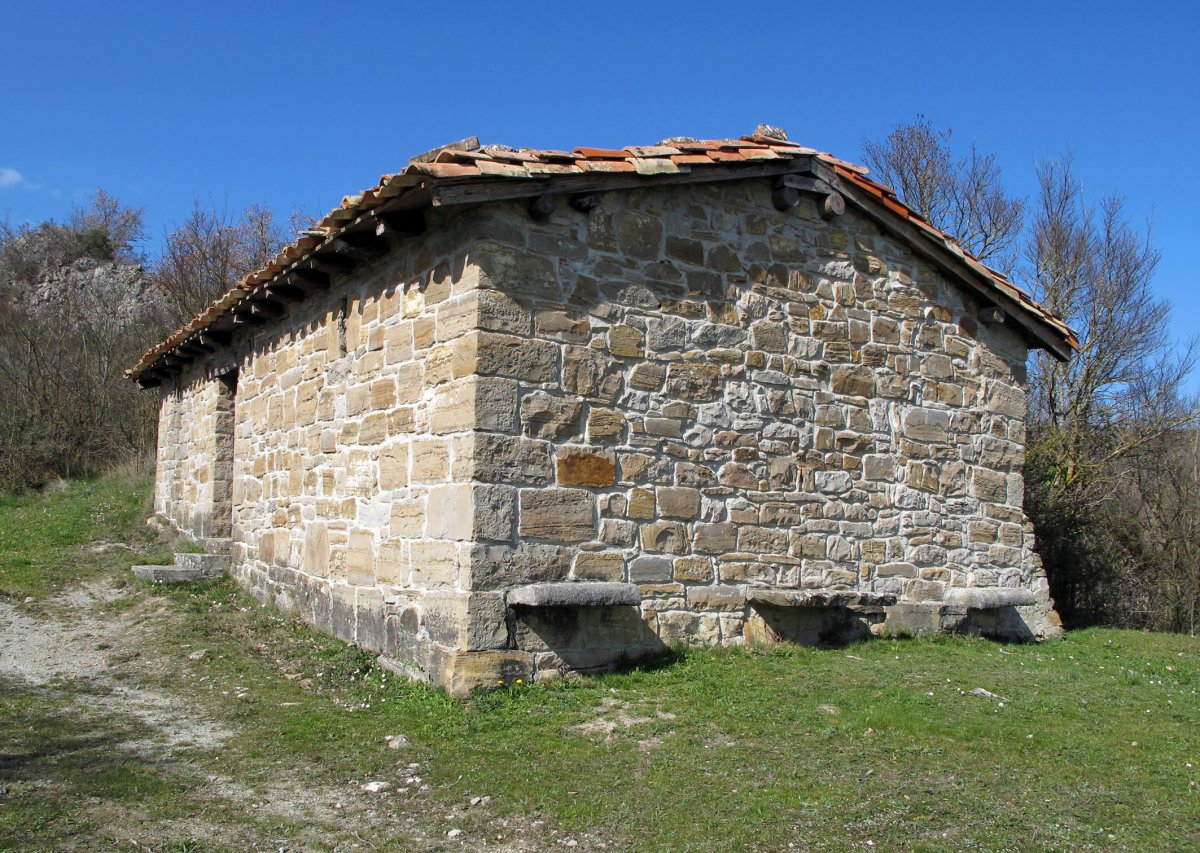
[
  {"x": 451, "y": 513},
  {"x": 599, "y": 566},
  {"x": 650, "y": 569},
  {"x": 465, "y": 620},
  {"x": 668, "y": 536},
  {"x": 927, "y": 425},
  {"x": 647, "y": 376},
  {"x": 571, "y": 594},
  {"x": 510, "y": 459},
  {"x": 678, "y": 502},
  {"x": 504, "y": 269},
  {"x": 856, "y": 381},
  {"x": 990, "y": 598},
  {"x": 639, "y": 235},
  {"x": 546, "y": 416},
  {"x": 605, "y": 425},
  {"x": 588, "y": 373},
  {"x": 495, "y": 511},
  {"x": 694, "y": 380},
  {"x": 586, "y": 466},
  {"x": 990, "y": 486},
  {"x": 626, "y": 341},
  {"x": 714, "y": 538},
  {"x": 559, "y": 515},
  {"x": 495, "y": 566},
  {"x": 494, "y": 354}
]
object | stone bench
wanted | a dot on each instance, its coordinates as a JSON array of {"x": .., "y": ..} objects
[
  {"x": 820, "y": 598},
  {"x": 575, "y": 594},
  {"x": 990, "y": 597},
  {"x": 814, "y": 617}
]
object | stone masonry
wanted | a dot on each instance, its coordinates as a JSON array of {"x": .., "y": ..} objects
[{"x": 732, "y": 409}]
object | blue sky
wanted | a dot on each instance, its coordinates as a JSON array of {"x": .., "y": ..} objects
[{"x": 301, "y": 103}]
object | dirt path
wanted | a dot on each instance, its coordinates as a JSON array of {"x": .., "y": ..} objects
[
  {"x": 84, "y": 650},
  {"x": 90, "y": 644}
]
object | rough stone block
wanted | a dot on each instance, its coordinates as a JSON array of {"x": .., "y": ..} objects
[
  {"x": 639, "y": 235},
  {"x": 599, "y": 566},
  {"x": 559, "y": 515},
  {"x": 434, "y": 563},
  {"x": 605, "y": 426},
  {"x": 678, "y": 502},
  {"x": 515, "y": 272},
  {"x": 714, "y": 538},
  {"x": 360, "y": 558},
  {"x": 495, "y": 512},
  {"x": 668, "y": 536},
  {"x": 693, "y": 570},
  {"x": 589, "y": 373},
  {"x": 647, "y": 376},
  {"x": 853, "y": 381},
  {"x": 990, "y": 486},
  {"x": 585, "y": 466},
  {"x": 499, "y": 566},
  {"x": 648, "y": 569},
  {"x": 546, "y": 416},
  {"x": 495, "y": 354},
  {"x": 450, "y": 513},
  {"x": 465, "y": 620},
  {"x": 575, "y": 594},
  {"x": 510, "y": 459},
  {"x": 694, "y": 380},
  {"x": 927, "y": 425},
  {"x": 626, "y": 342}
]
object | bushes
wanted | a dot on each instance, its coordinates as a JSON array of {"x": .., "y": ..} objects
[{"x": 78, "y": 307}]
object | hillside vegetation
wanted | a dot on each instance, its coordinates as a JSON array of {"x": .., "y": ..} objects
[{"x": 192, "y": 718}]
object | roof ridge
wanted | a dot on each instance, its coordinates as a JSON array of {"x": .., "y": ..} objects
[{"x": 465, "y": 159}]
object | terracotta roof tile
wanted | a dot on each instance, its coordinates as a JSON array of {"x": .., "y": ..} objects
[
  {"x": 466, "y": 160},
  {"x": 690, "y": 159},
  {"x": 654, "y": 166},
  {"x": 504, "y": 170},
  {"x": 608, "y": 166},
  {"x": 445, "y": 170},
  {"x": 601, "y": 153},
  {"x": 549, "y": 168},
  {"x": 652, "y": 150}
]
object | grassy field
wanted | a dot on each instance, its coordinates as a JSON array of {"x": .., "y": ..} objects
[{"x": 1090, "y": 742}]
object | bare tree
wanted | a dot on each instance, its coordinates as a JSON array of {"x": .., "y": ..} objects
[
  {"x": 206, "y": 255},
  {"x": 122, "y": 227},
  {"x": 1165, "y": 494},
  {"x": 74, "y": 313},
  {"x": 1123, "y": 387},
  {"x": 1099, "y": 422},
  {"x": 963, "y": 196}
]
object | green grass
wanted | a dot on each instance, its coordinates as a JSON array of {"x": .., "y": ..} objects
[
  {"x": 42, "y": 534},
  {"x": 730, "y": 750}
]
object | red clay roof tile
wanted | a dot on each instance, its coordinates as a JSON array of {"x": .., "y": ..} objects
[
  {"x": 601, "y": 153},
  {"x": 466, "y": 160}
]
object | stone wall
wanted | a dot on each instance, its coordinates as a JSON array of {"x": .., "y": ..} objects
[
  {"x": 193, "y": 486},
  {"x": 685, "y": 390},
  {"x": 713, "y": 396}
]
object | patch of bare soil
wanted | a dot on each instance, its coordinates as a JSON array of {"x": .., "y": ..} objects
[
  {"x": 616, "y": 717},
  {"x": 43, "y": 650},
  {"x": 97, "y": 649}
]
